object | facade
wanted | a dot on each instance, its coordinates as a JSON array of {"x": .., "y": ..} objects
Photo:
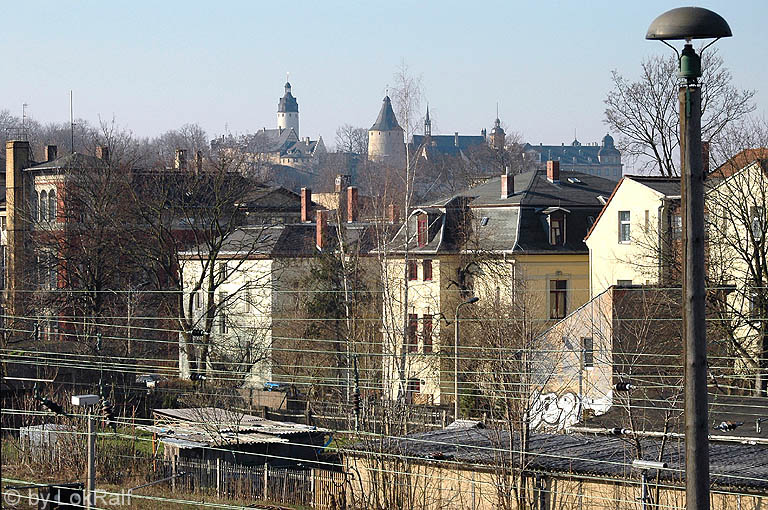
[
  {"x": 430, "y": 145},
  {"x": 639, "y": 225},
  {"x": 513, "y": 238},
  {"x": 602, "y": 160},
  {"x": 261, "y": 273},
  {"x": 386, "y": 139}
]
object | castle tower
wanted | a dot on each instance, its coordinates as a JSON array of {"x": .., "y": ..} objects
[
  {"x": 288, "y": 111},
  {"x": 498, "y": 137},
  {"x": 386, "y": 140}
]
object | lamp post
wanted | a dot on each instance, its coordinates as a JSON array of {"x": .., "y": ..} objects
[
  {"x": 688, "y": 23},
  {"x": 473, "y": 299},
  {"x": 88, "y": 401}
]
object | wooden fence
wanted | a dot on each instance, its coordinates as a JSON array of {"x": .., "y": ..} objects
[{"x": 313, "y": 488}]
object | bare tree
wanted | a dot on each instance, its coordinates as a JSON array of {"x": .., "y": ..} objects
[
  {"x": 351, "y": 140},
  {"x": 646, "y": 112}
]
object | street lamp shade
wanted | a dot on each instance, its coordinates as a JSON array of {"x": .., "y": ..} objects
[
  {"x": 688, "y": 23},
  {"x": 473, "y": 299}
]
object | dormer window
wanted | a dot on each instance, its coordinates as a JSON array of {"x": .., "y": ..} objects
[
  {"x": 422, "y": 230},
  {"x": 556, "y": 218}
]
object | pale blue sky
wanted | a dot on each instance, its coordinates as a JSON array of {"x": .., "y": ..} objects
[{"x": 157, "y": 65}]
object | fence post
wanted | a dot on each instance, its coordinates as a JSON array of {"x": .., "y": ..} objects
[
  {"x": 266, "y": 482},
  {"x": 218, "y": 477},
  {"x": 173, "y": 472},
  {"x": 312, "y": 488}
]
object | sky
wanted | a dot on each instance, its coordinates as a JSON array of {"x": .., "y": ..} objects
[{"x": 154, "y": 66}]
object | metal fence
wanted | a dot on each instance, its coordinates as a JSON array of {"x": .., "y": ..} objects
[{"x": 313, "y": 488}]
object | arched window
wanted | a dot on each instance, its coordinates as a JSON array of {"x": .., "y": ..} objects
[
  {"x": 43, "y": 206},
  {"x": 52, "y": 205},
  {"x": 35, "y": 205}
]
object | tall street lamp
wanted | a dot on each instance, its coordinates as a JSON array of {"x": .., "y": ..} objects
[
  {"x": 88, "y": 402},
  {"x": 473, "y": 299},
  {"x": 688, "y": 23}
]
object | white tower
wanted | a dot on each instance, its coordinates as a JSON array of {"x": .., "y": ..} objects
[
  {"x": 288, "y": 111},
  {"x": 386, "y": 142}
]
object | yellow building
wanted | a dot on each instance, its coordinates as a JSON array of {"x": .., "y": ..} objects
[
  {"x": 636, "y": 229},
  {"x": 513, "y": 238}
]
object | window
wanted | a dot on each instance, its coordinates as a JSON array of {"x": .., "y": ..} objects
[
  {"x": 647, "y": 221},
  {"x": 413, "y": 328},
  {"x": 43, "y": 206},
  {"x": 426, "y": 267},
  {"x": 247, "y": 296},
  {"x": 422, "y": 230},
  {"x": 588, "y": 352},
  {"x": 413, "y": 270},
  {"x": 222, "y": 271},
  {"x": 197, "y": 299},
  {"x": 52, "y": 206},
  {"x": 222, "y": 313},
  {"x": 557, "y": 298},
  {"x": 556, "y": 236},
  {"x": 427, "y": 332},
  {"x": 624, "y": 283},
  {"x": 757, "y": 221},
  {"x": 624, "y": 226},
  {"x": 676, "y": 227}
]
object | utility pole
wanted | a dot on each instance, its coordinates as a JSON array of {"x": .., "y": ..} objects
[
  {"x": 688, "y": 23},
  {"x": 90, "y": 500}
]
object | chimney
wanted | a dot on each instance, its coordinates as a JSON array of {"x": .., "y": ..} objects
[
  {"x": 351, "y": 204},
  {"x": 341, "y": 183},
  {"x": 306, "y": 204},
  {"x": 17, "y": 158},
  {"x": 50, "y": 152},
  {"x": 392, "y": 214},
  {"x": 507, "y": 185},
  {"x": 181, "y": 159},
  {"x": 456, "y": 139},
  {"x": 705, "y": 156},
  {"x": 199, "y": 162},
  {"x": 102, "y": 152},
  {"x": 553, "y": 171},
  {"x": 321, "y": 229}
]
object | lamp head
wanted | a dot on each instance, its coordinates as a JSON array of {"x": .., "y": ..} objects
[
  {"x": 473, "y": 299},
  {"x": 688, "y": 23}
]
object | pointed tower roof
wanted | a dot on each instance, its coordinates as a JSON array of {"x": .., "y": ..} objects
[
  {"x": 287, "y": 103},
  {"x": 386, "y": 121}
]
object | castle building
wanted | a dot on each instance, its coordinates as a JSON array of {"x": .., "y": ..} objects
[
  {"x": 386, "y": 139},
  {"x": 429, "y": 145},
  {"x": 602, "y": 160}
]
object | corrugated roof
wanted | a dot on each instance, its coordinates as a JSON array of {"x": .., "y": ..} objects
[{"x": 731, "y": 465}]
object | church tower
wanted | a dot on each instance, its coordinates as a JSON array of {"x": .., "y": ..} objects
[
  {"x": 288, "y": 111},
  {"x": 427, "y": 125},
  {"x": 498, "y": 137},
  {"x": 386, "y": 139}
]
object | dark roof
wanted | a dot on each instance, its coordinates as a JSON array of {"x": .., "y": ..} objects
[
  {"x": 517, "y": 223},
  {"x": 446, "y": 144},
  {"x": 288, "y": 103},
  {"x": 386, "y": 120},
  {"x": 731, "y": 465},
  {"x": 568, "y": 154},
  {"x": 722, "y": 408},
  {"x": 667, "y": 186},
  {"x": 72, "y": 160}
]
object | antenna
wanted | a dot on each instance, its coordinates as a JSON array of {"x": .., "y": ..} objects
[
  {"x": 497, "y": 109},
  {"x": 71, "y": 123},
  {"x": 288, "y": 77}
]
